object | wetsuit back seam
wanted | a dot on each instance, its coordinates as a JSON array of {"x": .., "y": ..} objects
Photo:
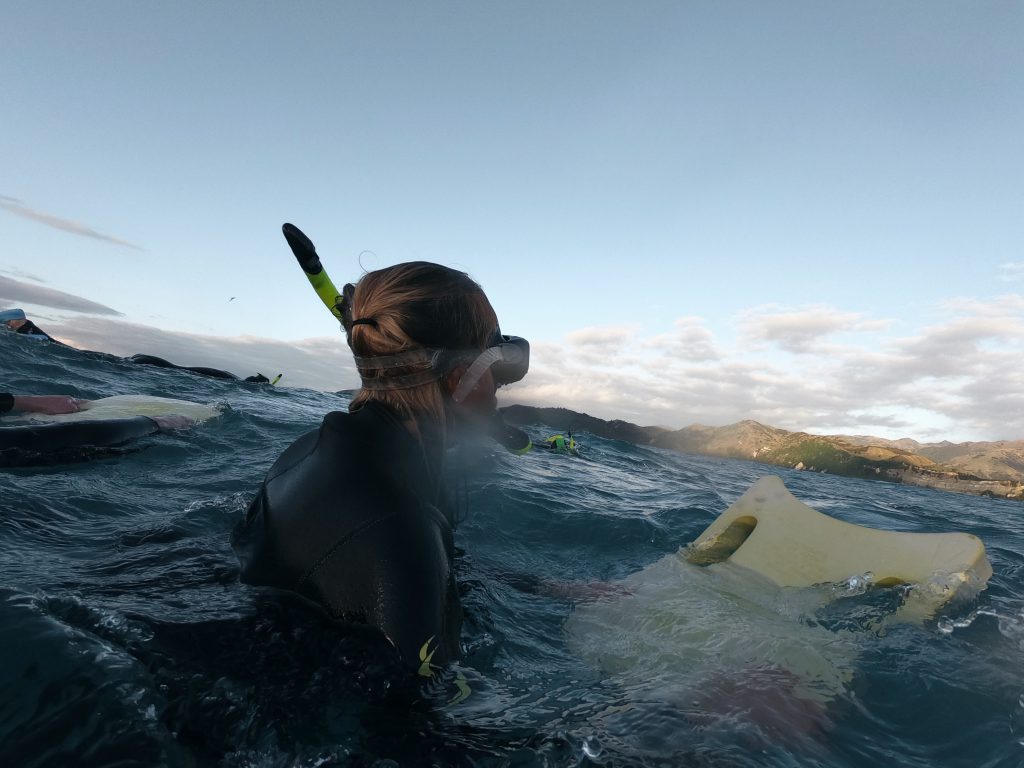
[{"x": 358, "y": 530}]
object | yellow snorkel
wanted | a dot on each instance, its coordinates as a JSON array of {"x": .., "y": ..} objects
[{"x": 305, "y": 254}]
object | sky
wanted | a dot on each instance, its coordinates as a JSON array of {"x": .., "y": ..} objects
[{"x": 809, "y": 214}]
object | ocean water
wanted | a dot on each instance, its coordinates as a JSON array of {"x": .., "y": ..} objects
[{"x": 126, "y": 638}]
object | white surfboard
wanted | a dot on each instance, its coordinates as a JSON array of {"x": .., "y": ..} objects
[{"x": 123, "y": 406}]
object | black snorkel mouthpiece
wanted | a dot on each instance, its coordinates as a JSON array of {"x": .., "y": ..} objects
[
  {"x": 303, "y": 248},
  {"x": 508, "y": 437}
]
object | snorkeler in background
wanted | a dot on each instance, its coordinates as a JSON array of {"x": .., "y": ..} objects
[{"x": 353, "y": 515}]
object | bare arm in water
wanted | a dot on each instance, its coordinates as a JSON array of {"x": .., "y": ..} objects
[{"x": 48, "y": 404}]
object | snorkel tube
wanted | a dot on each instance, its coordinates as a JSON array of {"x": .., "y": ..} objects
[
  {"x": 305, "y": 254},
  {"x": 511, "y": 438}
]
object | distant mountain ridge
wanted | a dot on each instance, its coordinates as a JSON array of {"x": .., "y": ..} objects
[
  {"x": 988, "y": 469},
  {"x": 996, "y": 460}
]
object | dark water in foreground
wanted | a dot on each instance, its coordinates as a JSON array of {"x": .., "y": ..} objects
[{"x": 126, "y": 639}]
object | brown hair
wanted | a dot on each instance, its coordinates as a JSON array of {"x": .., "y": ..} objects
[{"x": 415, "y": 305}]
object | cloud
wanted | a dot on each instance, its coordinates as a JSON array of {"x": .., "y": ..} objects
[
  {"x": 601, "y": 338},
  {"x": 1009, "y": 305},
  {"x": 316, "y": 363},
  {"x": 959, "y": 378},
  {"x": 18, "y": 208},
  {"x": 691, "y": 340},
  {"x": 27, "y": 293},
  {"x": 1011, "y": 271},
  {"x": 801, "y": 330},
  {"x": 22, "y": 274}
]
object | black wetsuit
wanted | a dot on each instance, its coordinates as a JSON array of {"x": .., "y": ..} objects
[
  {"x": 349, "y": 517},
  {"x": 6, "y": 402}
]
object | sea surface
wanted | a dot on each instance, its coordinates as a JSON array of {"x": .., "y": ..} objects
[{"x": 127, "y": 639}]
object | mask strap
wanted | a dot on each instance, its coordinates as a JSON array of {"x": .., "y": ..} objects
[
  {"x": 399, "y": 360},
  {"x": 476, "y": 372}
]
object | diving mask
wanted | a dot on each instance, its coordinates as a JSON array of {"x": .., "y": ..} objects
[{"x": 508, "y": 359}]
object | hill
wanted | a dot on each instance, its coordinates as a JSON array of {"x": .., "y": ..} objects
[{"x": 987, "y": 469}]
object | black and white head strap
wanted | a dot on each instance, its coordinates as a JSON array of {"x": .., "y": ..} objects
[{"x": 405, "y": 370}]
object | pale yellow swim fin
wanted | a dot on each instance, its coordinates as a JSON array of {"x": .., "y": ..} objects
[{"x": 769, "y": 531}]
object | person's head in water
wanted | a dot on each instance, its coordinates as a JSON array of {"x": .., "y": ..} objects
[{"x": 415, "y": 330}]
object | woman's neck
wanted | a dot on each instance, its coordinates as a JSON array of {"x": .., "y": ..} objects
[{"x": 431, "y": 439}]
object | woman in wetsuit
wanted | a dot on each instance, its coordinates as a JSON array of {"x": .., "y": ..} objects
[{"x": 352, "y": 516}]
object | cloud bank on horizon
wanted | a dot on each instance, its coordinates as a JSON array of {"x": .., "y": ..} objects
[
  {"x": 812, "y": 368},
  {"x": 18, "y": 208},
  {"x": 316, "y": 363},
  {"x": 806, "y": 368}
]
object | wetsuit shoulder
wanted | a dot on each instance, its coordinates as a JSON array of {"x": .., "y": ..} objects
[
  {"x": 317, "y": 488},
  {"x": 6, "y": 402},
  {"x": 345, "y": 518}
]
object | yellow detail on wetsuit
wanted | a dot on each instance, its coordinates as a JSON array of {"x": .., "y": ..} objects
[
  {"x": 426, "y": 668},
  {"x": 464, "y": 690},
  {"x": 326, "y": 291}
]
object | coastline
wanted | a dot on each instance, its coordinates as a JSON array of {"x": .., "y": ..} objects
[{"x": 904, "y": 461}]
